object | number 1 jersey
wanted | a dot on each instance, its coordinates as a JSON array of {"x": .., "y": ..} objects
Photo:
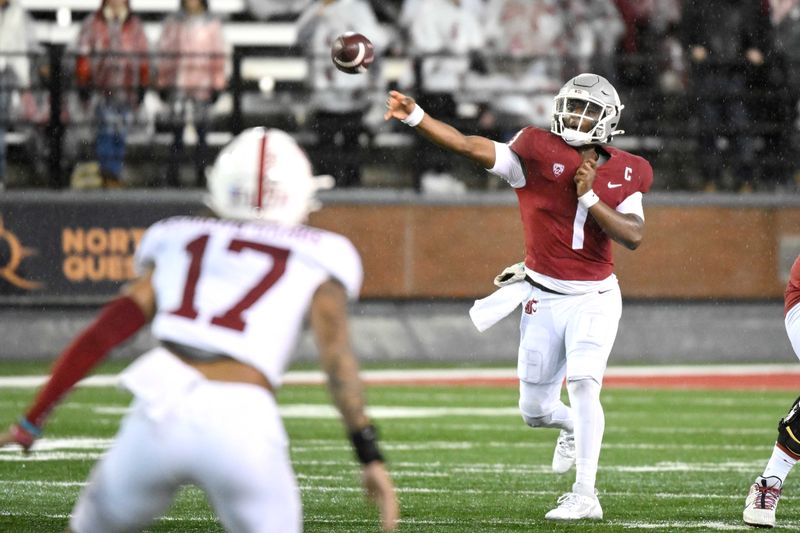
[
  {"x": 561, "y": 240},
  {"x": 241, "y": 288}
]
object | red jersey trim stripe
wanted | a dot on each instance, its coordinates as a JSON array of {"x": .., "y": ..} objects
[{"x": 262, "y": 157}]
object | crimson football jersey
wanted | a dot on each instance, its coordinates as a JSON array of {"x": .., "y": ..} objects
[
  {"x": 792, "y": 295},
  {"x": 561, "y": 240}
]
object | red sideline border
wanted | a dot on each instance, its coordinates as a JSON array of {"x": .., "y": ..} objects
[
  {"x": 720, "y": 377},
  {"x": 720, "y": 382},
  {"x": 739, "y": 377},
  {"x": 715, "y": 382}
]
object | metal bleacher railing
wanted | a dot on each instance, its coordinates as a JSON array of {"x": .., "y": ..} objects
[{"x": 266, "y": 87}]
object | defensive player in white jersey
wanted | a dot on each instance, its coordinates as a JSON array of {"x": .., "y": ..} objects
[
  {"x": 576, "y": 194},
  {"x": 762, "y": 499},
  {"x": 227, "y": 297}
]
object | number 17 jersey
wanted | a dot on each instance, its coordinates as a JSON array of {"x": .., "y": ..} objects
[{"x": 241, "y": 289}]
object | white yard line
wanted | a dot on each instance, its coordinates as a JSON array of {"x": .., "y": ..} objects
[
  {"x": 434, "y": 375},
  {"x": 427, "y": 490},
  {"x": 670, "y": 525}
]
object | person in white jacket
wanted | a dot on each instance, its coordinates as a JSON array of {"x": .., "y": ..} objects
[
  {"x": 339, "y": 101},
  {"x": 17, "y": 43},
  {"x": 442, "y": 36}
]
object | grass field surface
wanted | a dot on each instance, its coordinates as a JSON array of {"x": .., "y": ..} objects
[{"x": 462, "y": 459}]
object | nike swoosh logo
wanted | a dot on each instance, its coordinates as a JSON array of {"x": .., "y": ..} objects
[{"x": 614, "y": 185}]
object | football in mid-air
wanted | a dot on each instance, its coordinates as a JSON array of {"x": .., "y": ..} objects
[{"x": 352, "y": 53}]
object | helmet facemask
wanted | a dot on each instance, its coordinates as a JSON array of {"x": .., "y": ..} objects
[{"x": 586, "y": 111}]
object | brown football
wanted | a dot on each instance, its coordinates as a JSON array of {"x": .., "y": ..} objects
[{"x": 352, "y": 53}]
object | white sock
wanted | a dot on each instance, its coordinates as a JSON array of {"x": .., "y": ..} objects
[
  {"x": 779, "y": 465},
  {"x": 584, "y": 396},
  {"x": 562, "y": 417}
]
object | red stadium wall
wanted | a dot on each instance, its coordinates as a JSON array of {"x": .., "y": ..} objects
[
  {"x": 76, "y": 248},
  {"x": 419, "y": 251}
]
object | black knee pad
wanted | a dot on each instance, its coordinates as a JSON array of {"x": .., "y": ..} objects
[{"x": 789, "y": 429}]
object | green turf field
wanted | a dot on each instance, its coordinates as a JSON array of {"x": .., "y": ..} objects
[{"x": 461, "y": 457}]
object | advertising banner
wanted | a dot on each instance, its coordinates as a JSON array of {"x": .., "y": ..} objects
[
  {"x": 67, "y": 249},
  {"x": 76, "y": 248}
]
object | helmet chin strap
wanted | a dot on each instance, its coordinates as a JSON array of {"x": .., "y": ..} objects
[{"x": 576, "y": 138}]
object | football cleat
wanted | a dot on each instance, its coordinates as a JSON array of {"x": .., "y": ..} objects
[
  {"x": 574, "y": 506},
  {"x": 761, "y": 502},
  {"x": 564, "y": 454}
]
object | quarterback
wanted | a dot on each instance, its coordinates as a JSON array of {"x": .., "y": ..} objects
[
  {"x": 227, "y": 296},
  {"x": 576, "y": 194}
]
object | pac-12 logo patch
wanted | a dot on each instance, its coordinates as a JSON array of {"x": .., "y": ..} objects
[{"x": 558, "y": 168}]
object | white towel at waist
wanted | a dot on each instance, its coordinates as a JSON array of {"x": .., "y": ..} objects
[{"x": 486, "y": 312}]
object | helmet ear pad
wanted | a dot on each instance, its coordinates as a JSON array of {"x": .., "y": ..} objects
[
  {"x": 580, "y": 94},
  {"x": 262, "y": 174}
]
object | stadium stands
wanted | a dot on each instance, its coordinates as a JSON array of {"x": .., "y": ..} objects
[{"x": 269, "y": 85}]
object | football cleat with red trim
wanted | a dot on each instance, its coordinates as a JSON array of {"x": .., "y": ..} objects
[{"x": 761, "y": 502}]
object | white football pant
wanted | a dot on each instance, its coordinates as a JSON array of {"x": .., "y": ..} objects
[
  {"x": 568, "y": 336},
  {"x": 792, "y": 322},
  {"x": 226, "y": 438}
]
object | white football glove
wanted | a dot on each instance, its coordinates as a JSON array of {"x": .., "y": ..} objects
[{"x": 511, "y": 274}]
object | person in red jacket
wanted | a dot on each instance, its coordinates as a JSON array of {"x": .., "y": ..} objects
[
  {"x": 112, "y": 72},
  {"x": 191, "y": 76}
]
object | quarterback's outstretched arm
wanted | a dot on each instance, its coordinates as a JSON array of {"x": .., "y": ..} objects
[
  {"x": 477, "y": 148},
  {"x": 329, "y": 322}
]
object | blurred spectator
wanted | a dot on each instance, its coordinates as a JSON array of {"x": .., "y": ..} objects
[
  {"x": 785, "y": 86},
  {"x": 272, "y": 9},
  {"x": 388, "y": 11},
  {"x": 443, "y": 36},
  {"x": 339, "y": 101},
  {"x": 594, "y": 33},
  {"x": 191, "y": 75},
  {"x": 17, "y": 42},
  {"x": 648, "y": 23},
  {"x": 785, "y": 18},
  {"x": 526, "y": 47},
  {"x": 112, "y": 64},
  {"x": 726, "y": 41}
]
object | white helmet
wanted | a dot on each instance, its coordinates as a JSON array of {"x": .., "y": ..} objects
[
  {"x": 587, "y": 101},
  {"x": 262, "y": 174}
]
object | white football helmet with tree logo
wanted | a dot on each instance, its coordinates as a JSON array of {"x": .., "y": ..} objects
[{"x": 262, "y": 174}]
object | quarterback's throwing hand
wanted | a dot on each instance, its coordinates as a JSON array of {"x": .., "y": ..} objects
[
  {"x": 380, "y": 489},
  {"x": 398, "y": 106}
]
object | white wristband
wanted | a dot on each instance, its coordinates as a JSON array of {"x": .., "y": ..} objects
[
  {"x": 588, "y": 199},
  {"x": 415, "y": 117}
]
